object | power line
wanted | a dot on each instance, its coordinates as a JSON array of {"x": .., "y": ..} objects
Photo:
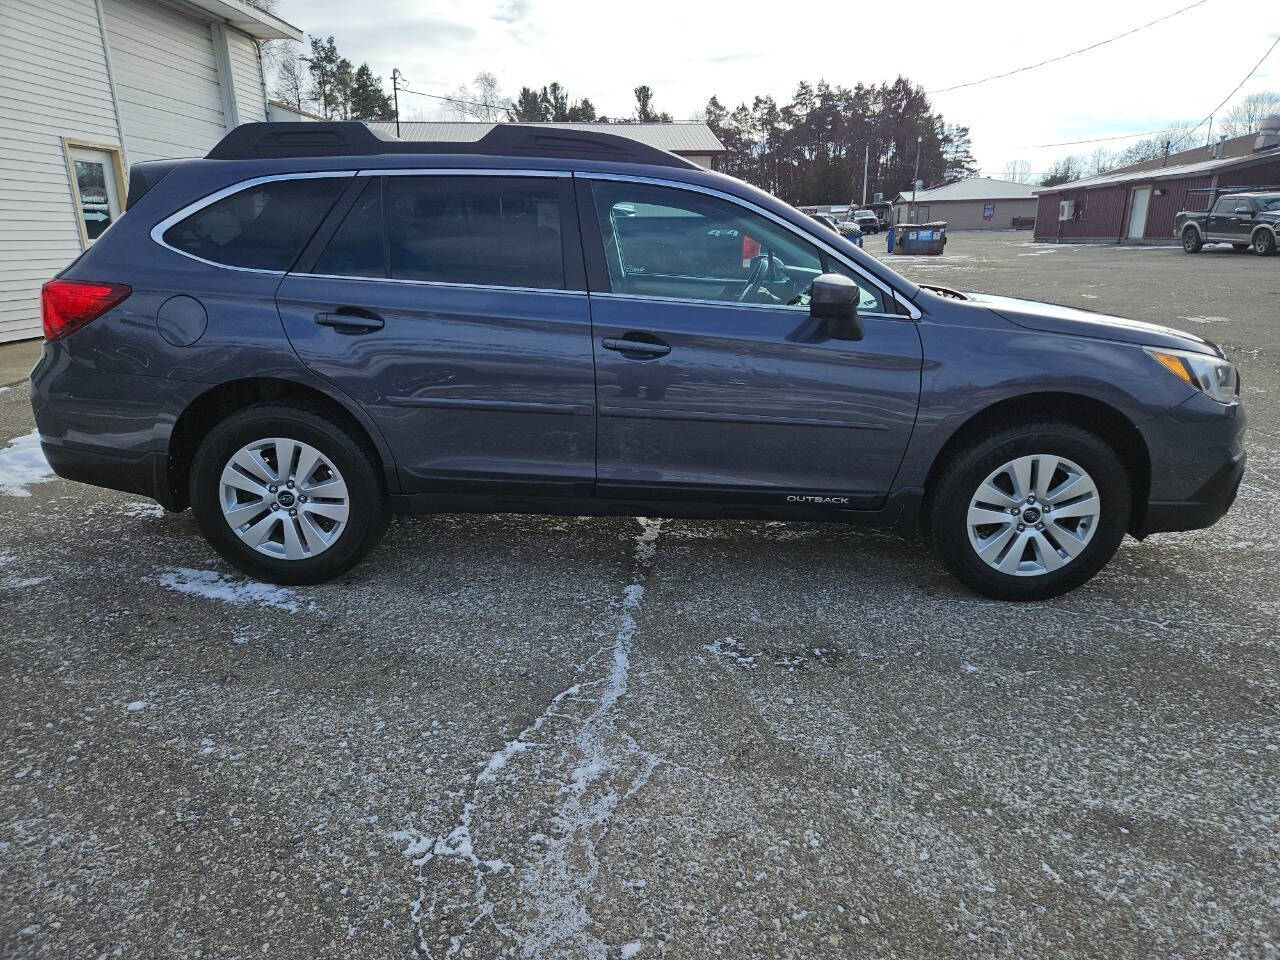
[
  {"x": 1152, "y": 133},
  {"x": 1073, "y": 53},
  {"x": 470, "y": 103}
]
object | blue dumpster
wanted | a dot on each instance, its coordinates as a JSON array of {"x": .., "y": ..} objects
[{"x": 890, "y": 235}]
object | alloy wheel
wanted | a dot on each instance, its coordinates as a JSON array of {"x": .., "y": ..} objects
[
  {"x": 284, "y": 498},
  {"x": 1033, "y": 515}
]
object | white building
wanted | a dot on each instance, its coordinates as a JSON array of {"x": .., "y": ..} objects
[
  {"x": 978, "y": 203},
  {"x": 88, "y": 87}
]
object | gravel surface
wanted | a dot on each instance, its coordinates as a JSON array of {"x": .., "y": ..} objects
[{"x": 612, "y": 738}]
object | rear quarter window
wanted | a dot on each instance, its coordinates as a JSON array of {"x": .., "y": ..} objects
[{"x": 263, "y": 227}]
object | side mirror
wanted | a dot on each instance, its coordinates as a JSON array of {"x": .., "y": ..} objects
[
  {"x": 834, "y": 299},
  {"x": 1245, "y": 210}
]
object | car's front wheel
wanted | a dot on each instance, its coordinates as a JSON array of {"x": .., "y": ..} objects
[
  {"x": 1031, "y": 512},
  {"x": 1191, "y": 241},
  {"x": 287, "y": 496}
]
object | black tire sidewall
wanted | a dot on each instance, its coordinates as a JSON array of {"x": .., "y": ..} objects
[
  {"x": 1190, "y": 241},
  {"x": 367, "y": 499},
  {"x": 972, "y": 465}
]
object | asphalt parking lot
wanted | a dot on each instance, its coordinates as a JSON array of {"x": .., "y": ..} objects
[{"x": 611, "y": 738}]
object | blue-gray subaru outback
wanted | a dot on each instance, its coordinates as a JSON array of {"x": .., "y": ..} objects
[{"x": 315, "y": 327}]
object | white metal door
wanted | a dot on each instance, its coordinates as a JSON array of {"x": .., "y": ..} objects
[
  {"x": 1138, "y": 213},
  {"x": 166, "y": 78},
  {"x": 96, "y": 193}
]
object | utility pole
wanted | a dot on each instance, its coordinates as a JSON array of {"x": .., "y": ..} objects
[
  {"x": 915, "y": 177},
  {"x": 396, "y": 77},
  {"x": 866, "y": 167}
]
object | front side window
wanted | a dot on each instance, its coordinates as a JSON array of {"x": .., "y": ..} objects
[
  {"x": 667, "y": 242},
  {"x": 491, "y": 231},
  {"x": 1226, "y": 205},
  {"x": 263, "y": 227}
]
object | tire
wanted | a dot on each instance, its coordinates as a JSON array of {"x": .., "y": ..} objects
[
  {"x": 1191, "y": 241},
  {"x": 1081, "y": 544},
  {"x": 1264, "y": 243},
  {"x": 327, "y": 533}
]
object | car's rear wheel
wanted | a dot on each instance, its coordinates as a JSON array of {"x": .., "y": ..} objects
[
  {"x": 1191, "y": 241},
  {"x": 1264, "y": 243},
  {"x": 1031, "y": 512},
  {"x": 287, "y": 496}
]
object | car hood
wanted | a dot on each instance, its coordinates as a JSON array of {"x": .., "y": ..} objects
[{"x": 1053, "y": 318}]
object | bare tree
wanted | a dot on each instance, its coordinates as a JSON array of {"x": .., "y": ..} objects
[
  {"x": 286, "y": 72},
  {"x": 1017, "y": 171},
  {"x": 1243, "y": 118},
  {"x": 482, "y": 100}
]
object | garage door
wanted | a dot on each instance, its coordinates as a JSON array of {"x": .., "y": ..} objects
[{"x": 166, "y": 80}]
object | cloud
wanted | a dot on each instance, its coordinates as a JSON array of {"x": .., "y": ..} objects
[{"x": 509, "y": 11}]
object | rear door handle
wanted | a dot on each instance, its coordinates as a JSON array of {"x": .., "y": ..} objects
[
  {"x": 350, "y": 322},
  {"x": 623, "y": 345}
]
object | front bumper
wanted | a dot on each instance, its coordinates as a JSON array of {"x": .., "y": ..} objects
[
  {"x": 1197, "y": 463},
  {"x": 1206, "y": 507}
]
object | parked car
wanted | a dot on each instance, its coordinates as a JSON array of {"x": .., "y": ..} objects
[
  {"x": 866, "y": 220},
  {"x": 826, "y": 220},
  {"x": 1244, "y": 220},
  {"x": 850, "y": 231},
  {"x": 315, "y": 327}
]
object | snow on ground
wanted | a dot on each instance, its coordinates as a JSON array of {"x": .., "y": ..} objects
[
  {"x": 1207, "y": 319},
  {"x": 583, "y": 767},
  {"x": 22, "y": 463},
  {"x": 213, "y": 585}
]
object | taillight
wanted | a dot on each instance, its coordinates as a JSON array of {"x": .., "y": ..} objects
[{"x": 67, "y": 305}]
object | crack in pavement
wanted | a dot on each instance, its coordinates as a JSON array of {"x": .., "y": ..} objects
[{"x": 570, "y": 769}]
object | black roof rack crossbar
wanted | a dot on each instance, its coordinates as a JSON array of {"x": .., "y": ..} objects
[{"x": 350, "y": 138}]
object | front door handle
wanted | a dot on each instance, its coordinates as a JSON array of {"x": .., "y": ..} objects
[
  {"x": 623, "y": 345},
  {"x": 350, "y": 320}
]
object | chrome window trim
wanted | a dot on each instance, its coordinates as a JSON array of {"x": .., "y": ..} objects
[
  {"x": 558, "y": 291},
  {"x": 734, "y": 305},
  {"x": 461, "y": 172},
  {"x": 885, "y": 290},
  {"x": 158, "y": 231}
]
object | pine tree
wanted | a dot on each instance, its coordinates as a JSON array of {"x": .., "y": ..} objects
[{"x": 368, "y": 100}]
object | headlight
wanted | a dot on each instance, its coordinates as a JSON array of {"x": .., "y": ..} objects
[{"x": 1214, "y": 377}]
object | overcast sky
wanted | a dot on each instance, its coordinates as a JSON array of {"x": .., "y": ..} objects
[{"x": 687, "y": 50}]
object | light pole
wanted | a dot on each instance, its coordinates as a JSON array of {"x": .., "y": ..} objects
[
  {"x": 396, "y": 77},
  {"x": 866, "y": 167},
  {"x": 915, "y": 176}
]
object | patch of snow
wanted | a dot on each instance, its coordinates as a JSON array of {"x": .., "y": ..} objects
[
  {"x": 135, "y": 508},
  {"x": 23, "y": 463},
  {"x": 1207, "y": 319},
  {"x": 630, "y": 950},
  {"x": 136, "y": 705},
  {"x": 730, "y": 649},
  {"x": 21, "y": 583},
  {"x": 588, "y": 767},
  {"x": 214, "y": 586}
]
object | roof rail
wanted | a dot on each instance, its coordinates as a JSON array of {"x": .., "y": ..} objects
[
  {"x": 351, "y": 138},
  {"x": 1238, "y": 188}
]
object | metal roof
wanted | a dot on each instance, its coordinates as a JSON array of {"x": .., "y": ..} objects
[
  {"x": 254, "y": 21},
  {"x": 683, "y": 138},
  {"x": 974, "y": 188},
  {"x": 1163, "y": 173}
]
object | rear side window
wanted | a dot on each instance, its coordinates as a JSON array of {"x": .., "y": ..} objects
[
  {"x": 356, "y": 248},
  {"x": 263, "y": 227},
  {"x": 492, "y": 231}
]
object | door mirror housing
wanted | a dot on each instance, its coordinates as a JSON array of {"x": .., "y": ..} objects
[
  {"x": 1245, "y": 210},
  {"x": 834, "y": 300}
]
